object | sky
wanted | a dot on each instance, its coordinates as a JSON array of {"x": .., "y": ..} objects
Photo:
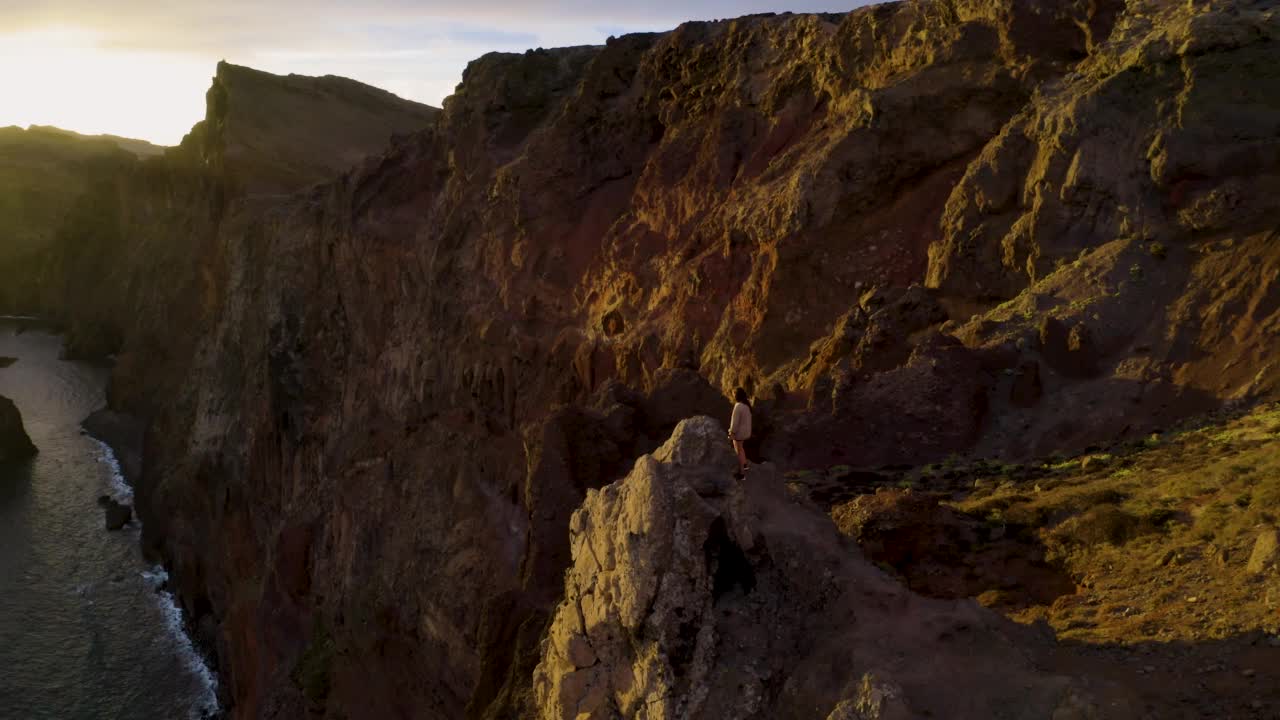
[{"x": 139, "y": 68}]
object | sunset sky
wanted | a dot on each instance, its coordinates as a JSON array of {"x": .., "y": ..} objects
[{"x": 140, "y": 69}]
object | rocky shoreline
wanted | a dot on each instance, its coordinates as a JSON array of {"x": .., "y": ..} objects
[{"x": 124, "y": 434}]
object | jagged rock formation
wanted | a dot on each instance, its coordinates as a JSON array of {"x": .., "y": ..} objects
[
  {"x": 15, "y": 444},
  {"x": 115, "y": 514},
  {"x": 1129, "y": 211},
  {"x": 373, "y": 406},
  {"x": 691, "y": 596},
  {"x": 265, "y": 133}
]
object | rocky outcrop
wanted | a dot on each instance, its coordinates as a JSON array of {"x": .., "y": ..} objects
[
  {"x": 115, "y": 514},
  {"x": 15, "y": 445},
  {"x": 266, "y": 133},
  {"x": 1112, "y": 216},
  {"x": 692, "y": 596},
  {"x": 124, "y": 434}
]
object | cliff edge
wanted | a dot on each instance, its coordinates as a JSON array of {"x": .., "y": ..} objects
[
  {"x": 273, "y": 134},
  {"x": 693, "y": 596}
]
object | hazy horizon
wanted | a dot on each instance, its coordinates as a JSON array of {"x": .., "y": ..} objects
[{"x": 120, "y": 68}]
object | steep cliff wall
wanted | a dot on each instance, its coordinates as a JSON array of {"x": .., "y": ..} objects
[
  {"x": 368, "y": 508},
  {"x": 134, "y": 250},
  {"x": 43, "y": 173},
  {"x": 380, "y": 400},
  {"x": 1128, "y": 215},
  {"x": 273, "y": 134}
]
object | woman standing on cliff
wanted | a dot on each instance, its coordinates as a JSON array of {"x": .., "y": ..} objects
[{"x": 740, "y": 429}]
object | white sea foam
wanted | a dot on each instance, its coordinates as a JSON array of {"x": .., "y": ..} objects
[
  {"x": 206, "y": 705},
  {"x": 206, "y": 702},
  {"x": 121, "y": 492}
]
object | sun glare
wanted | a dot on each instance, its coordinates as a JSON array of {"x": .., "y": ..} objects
[{"x": 67, "y": 78}]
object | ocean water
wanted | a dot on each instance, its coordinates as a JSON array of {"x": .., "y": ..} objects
[{"x": 87, "y": 630}]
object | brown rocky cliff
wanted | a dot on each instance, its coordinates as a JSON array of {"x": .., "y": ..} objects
[
  {"x": 266, "y": 133},
  {"x": 1128, "y": 217},
  {"x": 372, "y": 421},
  {"x": 391, "y": 391},
  {"x": 43, "y": 173},
  {"x": 693, "y": 596}
]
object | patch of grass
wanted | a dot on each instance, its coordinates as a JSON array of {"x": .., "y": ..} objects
[
  {"x": 1239, "y": 469},
  {"x": 1176, "y": 514},
  {"x": 1103, "y": 524}
]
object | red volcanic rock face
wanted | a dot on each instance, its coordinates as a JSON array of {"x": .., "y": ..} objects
[{"x": 374, "y": 406}]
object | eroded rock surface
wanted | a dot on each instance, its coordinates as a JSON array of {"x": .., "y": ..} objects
[
  {"x": 693, "y": 596},
  {"x": 1127, "y": 215}
]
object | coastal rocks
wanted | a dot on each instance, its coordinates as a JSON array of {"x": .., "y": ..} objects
[
  {"x": 15, "y": 445},
  {"x": 688, "y": 603},
  {"x": 123, "y": 434},
  {"x": 115, "y": 514}
]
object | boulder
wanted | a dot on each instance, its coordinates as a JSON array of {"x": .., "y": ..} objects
[
  {"x": 116, "y": 514},
  {"x": 15, "y": 445},
  {"x": 1266, "y": 552}
]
